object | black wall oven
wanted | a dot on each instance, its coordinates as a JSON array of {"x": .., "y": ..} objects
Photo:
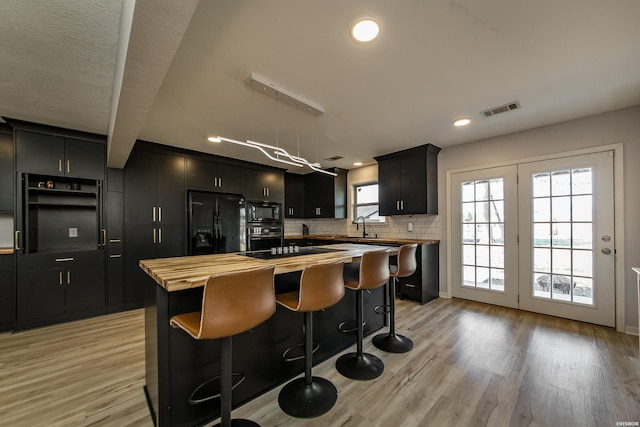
[{"x": 264, "y": 225}]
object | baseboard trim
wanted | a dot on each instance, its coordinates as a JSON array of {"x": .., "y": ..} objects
[
  {"x": 445, "y": 295},
  {"x": 631, "y": 330}
]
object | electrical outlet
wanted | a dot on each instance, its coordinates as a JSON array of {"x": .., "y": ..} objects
[
  {"x": 410, "y": 226},
  {"x": 73, "y": 232}
]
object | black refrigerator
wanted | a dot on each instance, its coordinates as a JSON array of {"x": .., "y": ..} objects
[{"x": 216, "y": 223}]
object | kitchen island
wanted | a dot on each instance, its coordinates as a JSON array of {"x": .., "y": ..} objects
[{"x": 175, "y": 364}]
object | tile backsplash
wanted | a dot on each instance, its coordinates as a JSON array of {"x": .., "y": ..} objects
[{"x": 424, "y": 227}]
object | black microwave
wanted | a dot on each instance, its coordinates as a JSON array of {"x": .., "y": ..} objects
[{"x": 264, "y": 212}]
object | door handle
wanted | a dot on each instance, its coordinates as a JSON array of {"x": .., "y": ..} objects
[
  {"x": 159, "y": 213},
  {"x": 17, "y": 240},
  {"x": 68, "y": 277},
  {"x": 63, "y": 259},
  {"x": 153, "y": 214},
  {"x": 104, "y": 237},
  {"x": 60, "y": 278},
  {"x": 154, "y": 235},
  {"x": 159, "y": 235},
  {"x": 68, "y": 165},
  {"x": 59, "y": 165}
]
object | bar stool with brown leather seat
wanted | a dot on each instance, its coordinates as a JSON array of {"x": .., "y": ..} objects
[
  {"x": 392, "y": 342},
  {"x": 231, "y": 303},
  {"x": 373, "y": 273},
  {"x": 321, "y": 286}
]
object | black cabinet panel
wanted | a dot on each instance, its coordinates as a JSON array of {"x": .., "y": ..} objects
[
  {"x": 408, "y": 181},
  {"x": 85, "y": 287},
  {"x": 84, "y": 159},
  {"x": 114, "y": 220},
  {"x": 115, "y": 180},
  {"x": 326, "y": 195},
  {"x": 171, "y": 199},
  {"x": 39, "y": 153},
  {"x": 7, "y": 299},
  {"x": 264, "y": 185},
  {"x": 155, "y": 215},
  {"x": 213, "y": 176},
  {"x": 115, "y": 281},
  {"x": 294, "y": 195},
  {"x": 140, "y": 188},
  {"x": 57, "y": 156},
  {"x": 6, "y": 171},
  {"x": 139, "y": 245},
  {"x": 40, "y": 293}
]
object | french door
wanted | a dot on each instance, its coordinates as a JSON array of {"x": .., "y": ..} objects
[{"x": 537, "y": 236}]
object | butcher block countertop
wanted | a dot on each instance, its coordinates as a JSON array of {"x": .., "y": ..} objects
[
  {"x": 380, "y": 240},
  {"x": 6, "y": 251},
  {"x": 180, "y": 273}
]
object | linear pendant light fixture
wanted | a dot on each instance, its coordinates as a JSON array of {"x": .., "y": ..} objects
[{"x": 263, "y": 85}]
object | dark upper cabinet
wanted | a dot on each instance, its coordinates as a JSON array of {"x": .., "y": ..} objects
[
  {"x": 408, "y": 181},
  {"x": 326, "y": 195},
  {"x": 155, "y": 215},
  {"x": 214, "y": 176},
  {"x": 293, "y": 195},
  {"x": 6, "y": 171},
  {"x": 264, "y": 185},
  {"x": 55, "y": 155}
]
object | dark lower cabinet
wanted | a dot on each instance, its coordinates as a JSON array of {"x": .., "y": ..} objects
[
  {"x": 423, "y": 285},
  {"x": 115, "y": 281},
  {"x": 55, "y": 288},
  {"x": 177, "y": 364},
  {"x": 7, "y": 300}
]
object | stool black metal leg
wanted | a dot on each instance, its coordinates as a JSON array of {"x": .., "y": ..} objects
[
  {"x": 359, "y": 365},
  {"x": 392, "y": 342},
  {"x": 226, "y": 387},
  {"x": 308, "y": 396}
]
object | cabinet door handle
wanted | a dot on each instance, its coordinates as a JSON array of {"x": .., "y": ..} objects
[
  {"x": 63, "y": 259},
  {"x": 104, "y": 237},
  {"x": 401, "y": 205},
  {"x": 397, "y": 205},
  {"x": 220, "y": 182},
  {"x": 115, "y": 256},
  {"x": 68, "y": 277},
  {"x": 154, "y": 235},
  {"x": 115, "y": 240},
  {"x": 17, "y": 240},
  {"x": 60, "y": 278},
  {"x": 59, "y": 165},
  {"x": 159, "y": 213},
  {"x": 68, "y": 165},
  {"x": 159, "y": 235},
  {"x": 153, "y": 213},
  {"x": 267, "y": 191},
  {"x": 409, "y": 285}
]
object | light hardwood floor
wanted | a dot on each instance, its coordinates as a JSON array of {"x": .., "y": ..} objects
[{"x": 473, "y": 364}]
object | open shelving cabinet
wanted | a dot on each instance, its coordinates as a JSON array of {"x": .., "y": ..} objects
[{"x": 64, "y": 217}]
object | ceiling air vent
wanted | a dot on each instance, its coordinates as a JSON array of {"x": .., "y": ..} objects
[
  {"x": 334, "y": 158},
  {"x": 515, "y": 105}
]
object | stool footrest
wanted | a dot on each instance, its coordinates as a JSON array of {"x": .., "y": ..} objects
[
  {"x": 237, "y": 378},
  {"x": 382, "y": 309},
  {"x": 287, "y": 358},
  {"x": 342, "y": 327}
]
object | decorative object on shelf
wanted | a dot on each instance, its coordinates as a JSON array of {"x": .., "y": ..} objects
[
  {"x": 275, "y": 152},
  {"x": 50, "y": 184}
]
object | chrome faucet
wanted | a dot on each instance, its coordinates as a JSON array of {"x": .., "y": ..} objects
[{"x": 364, "y": 230}]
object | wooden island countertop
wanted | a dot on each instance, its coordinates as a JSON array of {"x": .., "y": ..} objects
[{"x": 180, "y": 273}]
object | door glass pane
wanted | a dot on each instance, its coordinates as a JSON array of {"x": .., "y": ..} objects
[
  {"x": 563, "y": 236},
  {"x": 483, "y": 234}
]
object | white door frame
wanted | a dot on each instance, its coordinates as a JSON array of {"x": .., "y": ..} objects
[{"x": 618, "y": 179}]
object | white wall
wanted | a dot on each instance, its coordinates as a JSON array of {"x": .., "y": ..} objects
[{"x": 622, "y": 126}]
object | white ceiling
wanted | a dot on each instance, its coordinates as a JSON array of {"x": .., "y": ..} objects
[{"x": 180, "y": 68}]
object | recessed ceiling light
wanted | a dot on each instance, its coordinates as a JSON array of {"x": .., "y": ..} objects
[
  {"x": 463, "y": 121},
  {"x": 214, "y": 139},
  {"x": 357, "y": 164},
  {"x": 365, "y": 30}
]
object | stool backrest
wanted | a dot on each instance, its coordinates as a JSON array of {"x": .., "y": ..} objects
[
  {"x": 321, "y": 286},
  {"x": 236, "y": 302},
  {"x": 406, "y": 260},
  {"x": 374, "y": 269}
]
